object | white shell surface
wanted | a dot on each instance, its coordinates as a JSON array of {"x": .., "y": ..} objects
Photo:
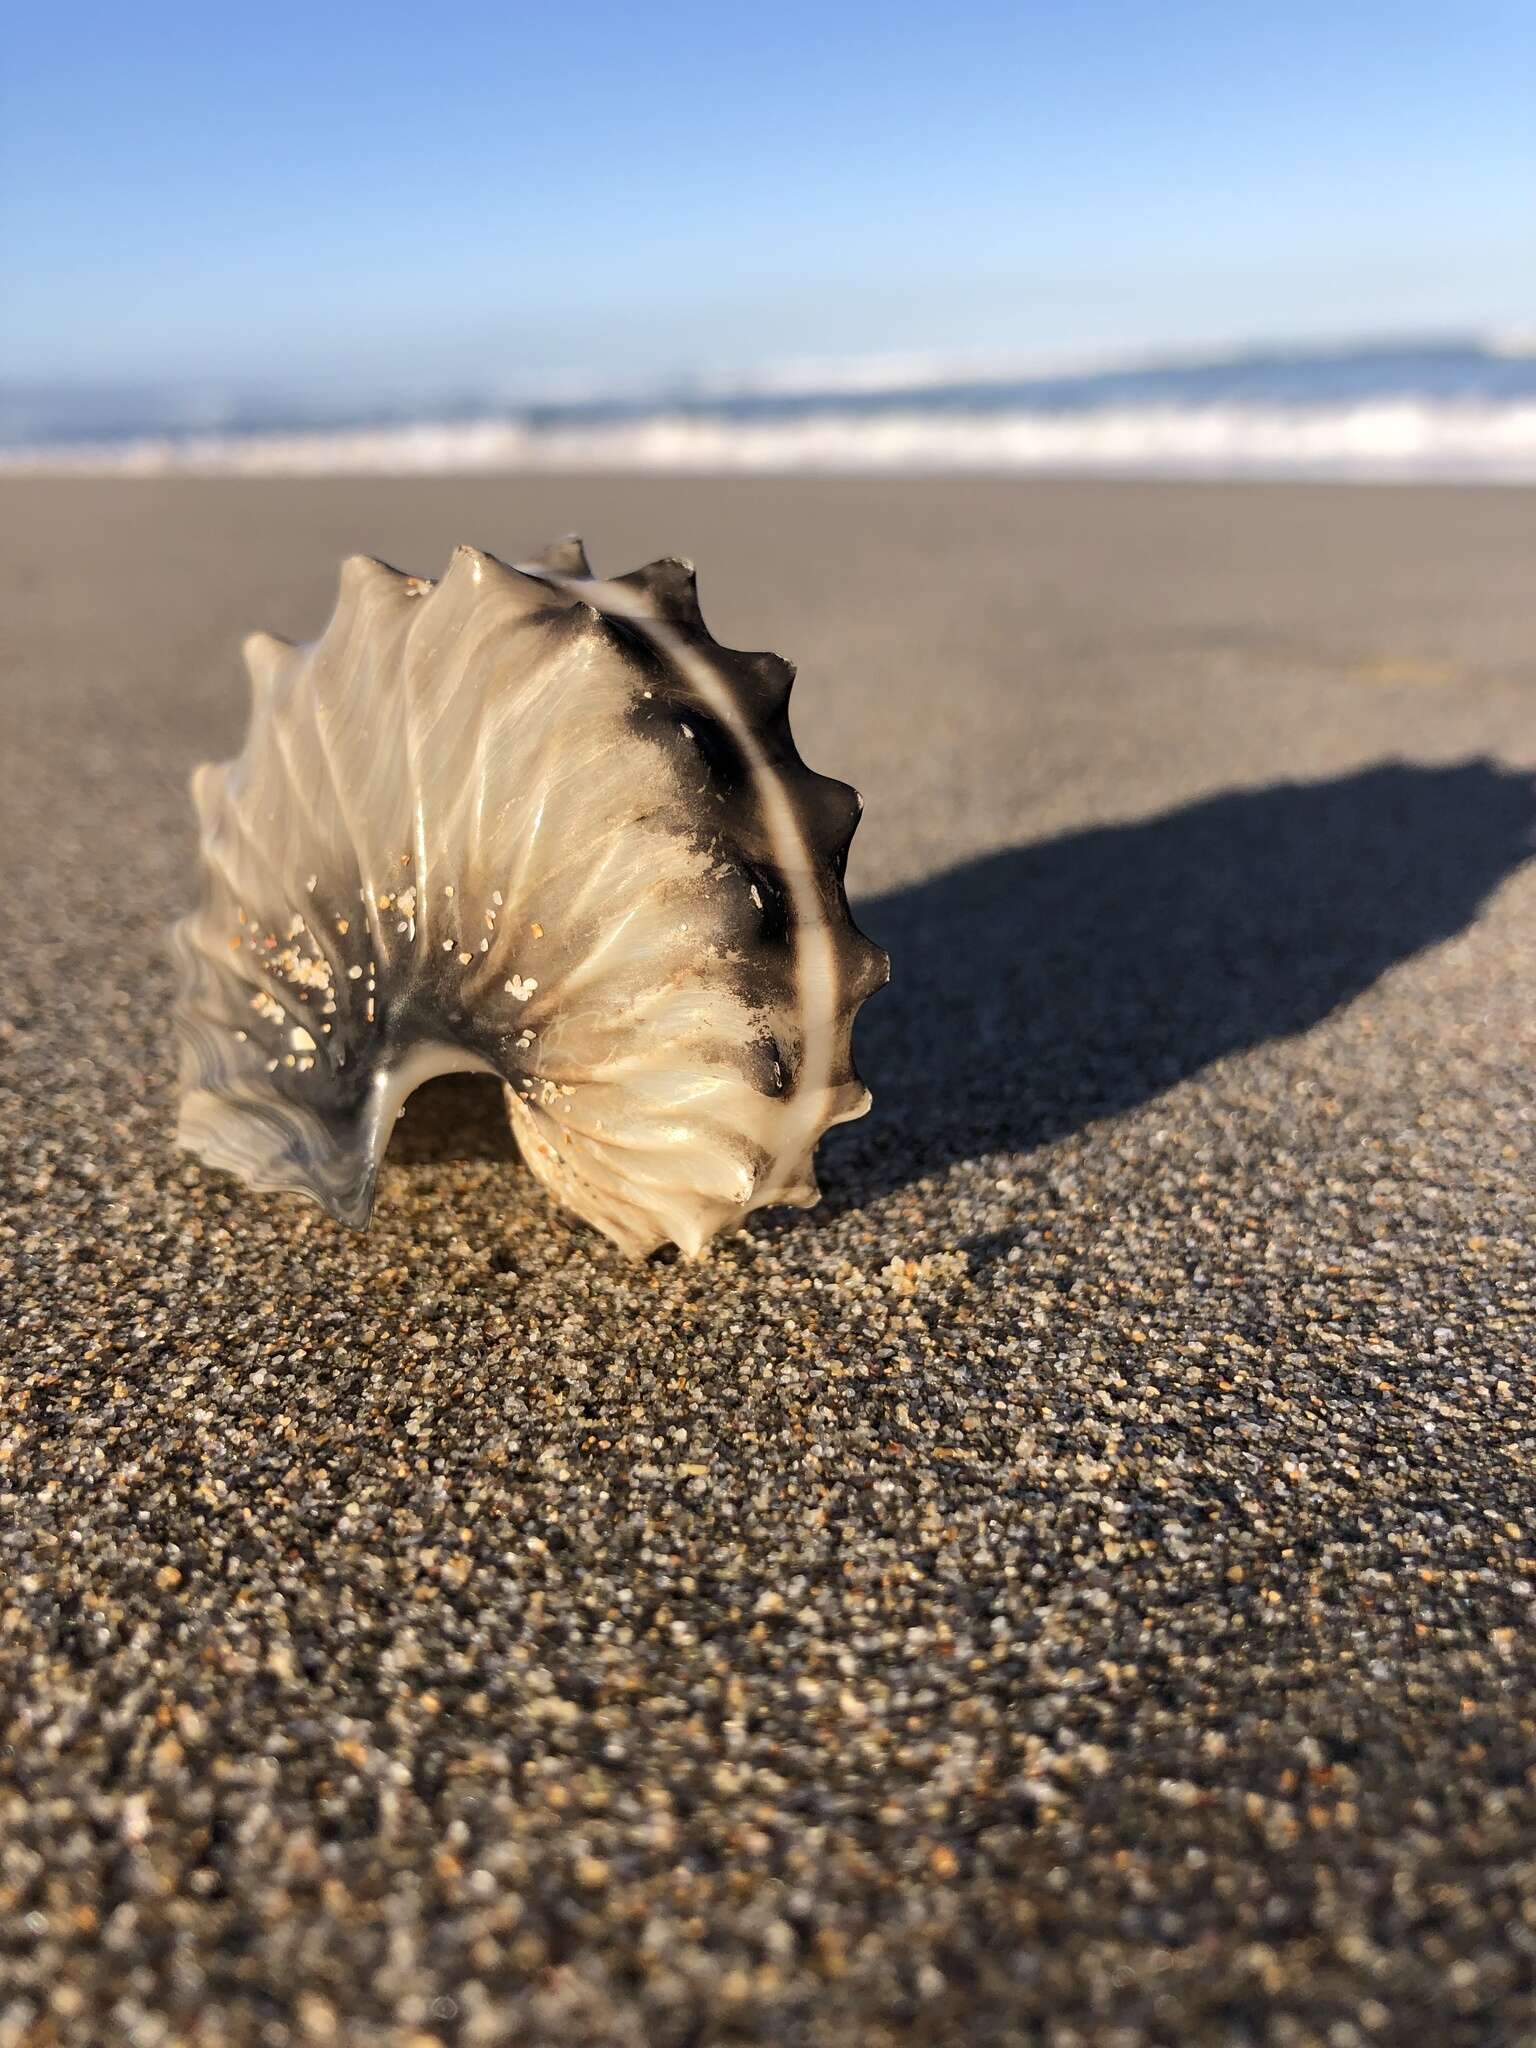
[{"x": 528, "y": 823}]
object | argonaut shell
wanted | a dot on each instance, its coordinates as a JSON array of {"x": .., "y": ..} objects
[{"x": 528, "y": 823}]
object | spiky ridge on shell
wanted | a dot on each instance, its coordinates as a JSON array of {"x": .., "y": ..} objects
[{"x": 525, "y": 822}]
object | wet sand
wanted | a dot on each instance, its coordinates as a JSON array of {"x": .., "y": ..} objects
[{"x": 1074, "y": 1587}]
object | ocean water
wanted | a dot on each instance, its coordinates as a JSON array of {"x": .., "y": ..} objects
[{"x": 1461, "y": 409}]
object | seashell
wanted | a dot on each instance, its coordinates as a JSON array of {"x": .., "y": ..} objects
[{"x": 527, "y": 823}]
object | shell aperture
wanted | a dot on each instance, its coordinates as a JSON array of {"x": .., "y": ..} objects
[{"x": 529, "y": 823}]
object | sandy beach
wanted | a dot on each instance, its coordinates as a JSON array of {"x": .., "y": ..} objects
[{"x": 1074, "y": 1587}]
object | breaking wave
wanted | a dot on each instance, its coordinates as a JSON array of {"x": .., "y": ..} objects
[
  {"x": 1403, "y": 410},
  {"x": 1417, "y": 440}
]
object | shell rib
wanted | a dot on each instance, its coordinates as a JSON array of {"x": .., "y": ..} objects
[{"x": 528, "y": 823}]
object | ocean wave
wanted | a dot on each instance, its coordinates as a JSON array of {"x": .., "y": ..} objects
[{"x": 1403, "y": 439}]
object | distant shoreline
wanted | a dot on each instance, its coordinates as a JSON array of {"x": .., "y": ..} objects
[
  {"x": 1401, "y": 412},
  {"x": 1395, "y": 443}
]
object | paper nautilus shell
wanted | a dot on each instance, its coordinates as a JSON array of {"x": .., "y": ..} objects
[{"x": 527, "y": 823}]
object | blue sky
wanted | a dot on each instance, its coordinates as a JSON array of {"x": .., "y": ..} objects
[{"x": 418, "y": 197}]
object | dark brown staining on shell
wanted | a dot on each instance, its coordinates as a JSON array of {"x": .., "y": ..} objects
[
  {"x": 723, "y": 761},
  {"x": 831, "y": 813},
  {"x": 724, "y": 797},
  {"x": 752, "y": 926},
  {"x": 769, "y": 1066},
  {"x": 633, "y": 645},
  {"x": 767, "y": 681},
  {"x": 671, "y": 587},
  {"x": 771, "y": 899},
  {"x": 759, "y": 923}
]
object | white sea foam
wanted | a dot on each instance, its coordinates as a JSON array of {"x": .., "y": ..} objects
[{"x": 1403, "y": 439}]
